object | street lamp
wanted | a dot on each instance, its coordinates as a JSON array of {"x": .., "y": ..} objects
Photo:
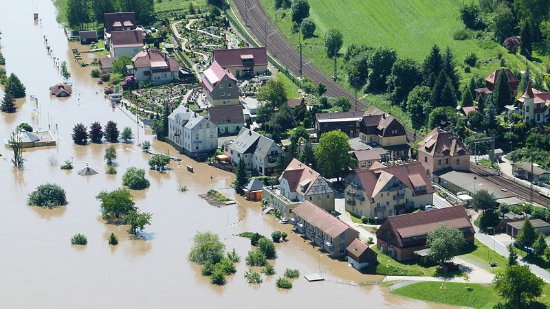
[{"x": 475, "y": 178}]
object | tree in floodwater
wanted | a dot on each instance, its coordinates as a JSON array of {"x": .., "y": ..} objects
[
  {"x": 65, "y": 71},
  {"x": 16, "y": 145},
  {"x": 8, "y": 104}
]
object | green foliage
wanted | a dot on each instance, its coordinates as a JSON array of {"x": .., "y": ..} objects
[
  {"x": 267, "y": 247},
  {"x": 483, "y": 200},
  {"x": 284, "y": 235},
  {"x": 332, "y": 154},
  {"x": 110, "y": 170},
  {"x": 253, "y": 277},
  {"x": 207, "y": 248},
  {"x": 442, "y": 117},
  {"x": 269, "y": 270},
  {"x": 14, "y": 87},
  {"x": 308, "y": 28},
  {"x": 110, "y": 155},
  {"x": 134, "y": 178},
  {"x": 527, "y": 235},
  {"x": 65, "y": 71},
  {"x": 145, "y": 146},
  {"x": 333, "y": 42},
  {"x": 159, "y": 161},
  {"x": 272, "y": 93},
  {"x": 299, "y": 10},
  {"x": 119, "y": 65},
  {"x": 291, "y": 273},
  {"x": 283, "y": 283},
  {"x": 418, "y": 105},
  {"x": 218, "y": 277},
  {"x": 116, "y": 204},
  {"x": 79, "y": 239},
  {"x": 8, "y": 104},
  {"x": 80, "y": 134},
  {"x": 380, "y": 66},
  {"x": 432, "y": 66},
  {"x": 137, "y": 221},
  {"x": 256, "y": 258},
  {"x": 276, "y": 236},
  {"x": 67, "y": 165},
  {"x": 471, "y": 59},
  {"x": 113, "y": 240},
  {"x": 242, "y": 177},
  {"x": 539, "y": 246},
  {"x": 96, "y": 133},
  {"x": 518, "y": 286},
  {"x": 526, "y": 45},
  {"x": 218, "y": 196},
  {"x": 111, "y": 132},
  {"x": 488, "y": 219},
  {"x": 512, "y": 256},
  {"x": 445, "y": 243},
  {"x": 233, "y": 256},
  {"x": 471, "y": 16},
  {"x": 127, "y": 134},
  {"x": 405, "y": 75},
  {"x": 95, "y": 73},
  {"x": 48, "y": 195}
]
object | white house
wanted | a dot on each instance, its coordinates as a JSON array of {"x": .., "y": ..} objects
[
  {"x": 258, "y": 152},
  {"x": 190, "y": 133},
  {"x": 154, "y": 66},
  {"x": 535, "y": 106},
  {"x": 126, "y": 43}
]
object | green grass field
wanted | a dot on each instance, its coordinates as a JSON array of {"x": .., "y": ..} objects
[
  {"x": 291, "y": 88},
  {"x": 388, "y": 266},
  {"x": 483, "y": 255},
  {"x": 175, "y": 5}
]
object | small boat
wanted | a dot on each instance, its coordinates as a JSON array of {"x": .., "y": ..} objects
[{"x": 189, "y": 168}]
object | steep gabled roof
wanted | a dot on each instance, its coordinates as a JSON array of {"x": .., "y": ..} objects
[
  {"x": 234, "y": 57},
  {"x": 230, "y": 114},
  {"x": 442, "y": 143},
  {"x": 127, "y": 38},
  {"x": 214, "y": 74},
  {"x": 155, "y": 59},
  {"x": 321, "y": 219},
  {"x": 512, "y": 79},
  {"x": 121, "y": 18},
  {"x": 300, "y": 177}
]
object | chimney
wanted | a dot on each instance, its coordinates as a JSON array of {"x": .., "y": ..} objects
[{"x": 249, "y": 132}]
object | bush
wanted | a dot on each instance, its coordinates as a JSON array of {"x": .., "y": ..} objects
[
  {"x": 113, "y": 240},
  {"x": 364, "y": 219},
  {"x": 233, "y": 256},
  {"x": 105, "y": 77},
  {"x": 255, "y": 238},
  {"x": 276, "y": 236},
  {"x": 226, "y": 266},
  {"x": 255, "y": 258},
  {"x": 207, "y": 248},
  {"x": 67, "y": 165},
  {"x": 207, "y": 269},
  {"x": 291, "y": 273},
  {"x": 48, "y": 195},
  {"x": 308, "y": 28},
  {"x": 134, "y": 178},
  {"x": 284, "y": 283},
  {"x": 95, "y": 73},
  {"x": 462, "y": 34},
  {"x": 218, "y": 277},
  {"x": 269, "y": 270},
  {"x": 471, "y": 59},
  {"x": 111, "y": 170},
  {"x": 370, "y": 241},
  {"x": 79, "y": 239},
  {"x": 284, "y": 235},
  {"x": 267, "y": 247},
  {"x": 25, "y": 127},
  {"x": 253, "y": 277}
]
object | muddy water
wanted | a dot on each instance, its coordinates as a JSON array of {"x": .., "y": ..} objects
[{"x": 40, "y": 269}]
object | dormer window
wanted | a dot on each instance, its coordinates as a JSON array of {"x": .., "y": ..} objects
[{"x": 230, "y": 85}]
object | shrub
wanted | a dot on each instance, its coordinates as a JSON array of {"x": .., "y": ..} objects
[
  {"x": 111, "y": 170},
  {"x": 284, "y": 283},
  {"x": 471, "y": 59},
  {"x": 233, "y": 256},
  {"x": 67, "y": 165},
  {"x": 256, "y": 258},
  {"x": 95, "y": 73},
  {"x": 207, "y": 247},
  {"x": 218, "y": 277},
  {"x": 226, "y": 266},
  {"x": 105, "y": 77},
  {"x": 134, "y": 178},
  {"x": 25, "y": 127},
  {"x": 364, "y": 219},
  {"x": 255, "y": 238},
  {"x": 253, "y": 277},
  {"x": 269, "y": 270},
  {"x": 207, "y": 269},
  {"x": 113, "y": 240},
  {"x": 284, "y": 235},
  {"x": 267, "y": 247},
  {"x": 292, "y": 273},
  {"x": 48, "y": 195},
  {"x": 308, "y": 28},
  {"x": 79, "y": 239},
  {"x": 370, "y": 241},
  {"x": 462, "y": 34},
  {"x": 276, "y": 236}
]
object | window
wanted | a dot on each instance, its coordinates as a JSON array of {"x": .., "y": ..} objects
[
  {"x": 229, "y": 93},
  {"x": 230, "y": 85},
  {"x": 527, "y": 109},
  {"x": 457, "y": 161},
  {"x": 538, "y": 117},
  {"x": 223, "y": 94},
  {"x": 446, "y": 160},
  {"x": 439, "y": 162},
  {"x": 221, "y": 86},
  {"x": 311, "y": 198},
  {"x": 425, "y": 159}
]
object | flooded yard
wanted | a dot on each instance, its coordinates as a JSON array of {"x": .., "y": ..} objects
[{"x": 40, "y": 269}]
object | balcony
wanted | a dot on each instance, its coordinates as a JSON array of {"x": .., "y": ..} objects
[
  {"x": 349, "y": 193},
  {"x": 360, "y": 197},
  {"x": 350, "y": 202}
]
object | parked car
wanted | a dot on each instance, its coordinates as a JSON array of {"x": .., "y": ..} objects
[{"x": 429, "y": 207}]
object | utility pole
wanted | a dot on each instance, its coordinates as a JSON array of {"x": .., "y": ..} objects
[
  {"x": 300, "y": 46},
  {"x": 531, "y": 179},
  {"x": 265, "y": 34}
]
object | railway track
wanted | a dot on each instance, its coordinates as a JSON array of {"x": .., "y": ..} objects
[{"x": 510, "y": 185}]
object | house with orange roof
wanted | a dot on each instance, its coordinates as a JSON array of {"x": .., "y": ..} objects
[
  {"x": 384, "y": 191},
  {"x": 441, "y": 150},
  {"x": 535, "y": 106},
  {"x": 219, "y": 86}
]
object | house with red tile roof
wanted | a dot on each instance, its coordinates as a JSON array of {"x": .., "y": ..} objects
[
  {"x": 491, "y": 80},
  {"x": 400, "y": 236},
  {"x": 441, "y": 150},
  {"x": 126, "y": 43},
  {"x": 243, "y": 62},
  {"x": 535, "y": 106},
  {"x": 299, "y": 183},
  {"x": 323, "y": 229},
  {"x": 61, "y": 90},
  {"x": 229, "y": 119},
  {"x": 117, "y": 21},
  {"x": 360, "y": 255},
  {"x": 219, "y": 86},
  {"x": 154, "y": 66},
  {"x": 385, "y": 191}
]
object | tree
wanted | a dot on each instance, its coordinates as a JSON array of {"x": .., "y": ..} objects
[
  {"x": 471, "y": 17},
  {"x": 96, "y": 133},
  {"x": 299, "y": 10},
  {"x": 267, "y": 247},
  {"x": 126, "y": 134},
  {"x": 116, "y": 204},
  {"x": 77, "y": 13},
  {"x": 25, "y": 127},
  {"x": 342, "y": 103},
  {"x": 483, "y": 200},
  {"x": 113, "y": 240},
  {"x": 276, "y": 236},
  {"x": 405, "y": 75},
  {"x": 380, "y": 66},
  {"x": 134, "y": 178},
  {"x": 65, "y": 71},
  {"x": 333, "y": 42},
  {"x": 111, "y": 132},
  {"x": 442, "y": 117},
  {"x": 512, "y": 256},
  {"x": 445, "y": 243},
  {"x": 308, "y": 155},
  {"x": 525, "y": 79},
  {"x": 137, "y": 221},
  {"x": 518, "y": 286},
  {"x": 449, "y": 65},
  {"x": 540, "y": 244},
  {"x": 119, "y": 65},
  {"x": 110, "y": 155},
  {"x": 273, "y": 92},
  {"x": 490, "y": 121},
  {"x": 207, "y": 248},
  {"x": 14, "y": 87},
  {"x": 432, "y": 66},
  {"x": 502, "y": 95},
  {"x": 242, "y": 178},
  {"x": 527, "y": 235},
  {"x": 418, "y": 105},
  {"x": 443, "y": 92},
  {"x": 504, "y": 23},
  {"x": 526, "y": 45},
  {"x": 48, "y": 195},
  {"x": 308, "y": 28},
  {"x": 100, "y": 7},
  {"x": 15, "y": 143},
  {"x": 467, "y": 99},
  {"x": 8, "y": 104},
  {"x": 80, "y": 134},
  {"x": 358, "y": 70},
  {"x": 332, "y": 154},
  {"x": 256, "y": 258},
  {"x": 159, "y": 161},
  {"x": 448, "y": 95}
]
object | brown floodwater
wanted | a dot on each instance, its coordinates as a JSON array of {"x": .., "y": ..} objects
[{"x": 40, "y": 269}]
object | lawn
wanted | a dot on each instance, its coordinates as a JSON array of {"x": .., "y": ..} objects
[
  {"x": 176, "y": 5},
  {"x": 477, "y": 296},
  {"x": 483, "y": 255},
  {"x": 410, "y": 27},
  {"x": 537, "y": 260},
  {"x": 388, "y": 266},
  {"x": 291, "y": 88}
]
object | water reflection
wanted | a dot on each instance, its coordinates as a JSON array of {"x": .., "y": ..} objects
[{"x": 49, "y": 213}]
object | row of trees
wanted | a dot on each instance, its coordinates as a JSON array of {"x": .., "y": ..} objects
[
  {"x": 96, "y": 133},
  {"x": 81, "y": 12}
]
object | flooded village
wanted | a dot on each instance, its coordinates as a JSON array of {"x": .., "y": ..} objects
[{"x": 214, "y": 124}]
